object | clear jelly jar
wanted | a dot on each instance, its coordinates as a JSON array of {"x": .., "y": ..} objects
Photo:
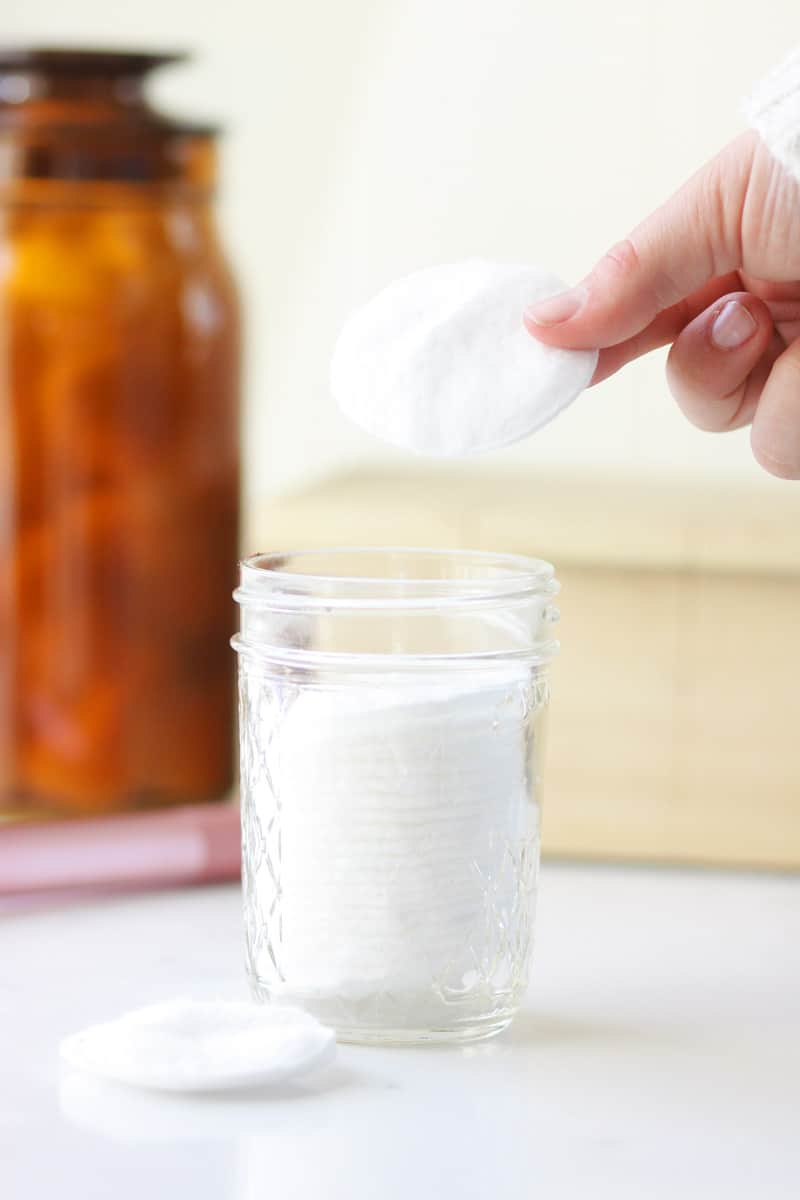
[{"x": 391, "y": 705}]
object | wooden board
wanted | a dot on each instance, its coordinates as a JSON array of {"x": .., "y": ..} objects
[{"x": 583, "y": 519}]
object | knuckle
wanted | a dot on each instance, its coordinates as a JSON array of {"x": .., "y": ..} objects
[
  {"x": 627, "y": 266},
  {"x": 621, "y": 260},
  {"x": 706, "y": 409},
  {"x": 788, "y": 368},
  {"x": 774, "y": 464}
]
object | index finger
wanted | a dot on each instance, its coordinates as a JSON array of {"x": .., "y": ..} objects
[
  {"x": 678, "y": 249},
  {"x": 665, "y": 328}
]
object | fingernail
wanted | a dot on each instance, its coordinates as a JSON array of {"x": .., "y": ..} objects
[
  {"x": 556, "y": 309},
  {"x": 733, "y": 326}
]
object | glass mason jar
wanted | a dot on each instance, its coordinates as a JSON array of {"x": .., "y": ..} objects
[
  {"x": 119, "y": 475},
  {"x": 391, "y": 706}
]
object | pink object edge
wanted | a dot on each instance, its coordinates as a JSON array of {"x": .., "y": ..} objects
[{"x": 161, "y": 848}]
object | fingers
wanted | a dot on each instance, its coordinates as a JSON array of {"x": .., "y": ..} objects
[
  {"x": 730, "y": 367},
  {"x": 665, "y": 328},
  {"x": 783, "y": 300},
  {"x": 712, "y": 366},
  {"x": 775, "y": 436},
  {"x": 691, "y": 239}
]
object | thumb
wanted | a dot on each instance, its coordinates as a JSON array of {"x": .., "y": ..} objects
[{"x": 691, "y": 239}]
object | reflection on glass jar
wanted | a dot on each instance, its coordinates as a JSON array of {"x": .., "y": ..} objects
[
  {"x": 119, "y": 477},
  {"x": 391, "y": 707}
]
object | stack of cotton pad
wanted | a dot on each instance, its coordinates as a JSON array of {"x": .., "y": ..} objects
[
  {"x": 440, "y": 362},
  {"x": 398, "y": 806}
]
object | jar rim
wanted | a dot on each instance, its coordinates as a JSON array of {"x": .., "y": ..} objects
[{"x": 413, "y": 577}]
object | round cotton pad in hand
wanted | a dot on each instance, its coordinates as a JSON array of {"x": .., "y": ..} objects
[
  {"x": 440, "y": 362},
  {"x": 190, "y": 1046}
]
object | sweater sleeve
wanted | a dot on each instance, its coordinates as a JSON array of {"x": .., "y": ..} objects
[{"x": 773, "y": 110}]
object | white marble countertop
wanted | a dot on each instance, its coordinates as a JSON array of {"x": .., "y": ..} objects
[{"x": 658, "y": 1056}]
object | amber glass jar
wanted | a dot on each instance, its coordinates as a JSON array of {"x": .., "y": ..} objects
[{"x": 119, "y": 476}]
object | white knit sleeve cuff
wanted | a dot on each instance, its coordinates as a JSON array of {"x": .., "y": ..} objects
[{"x": 773, "y": 110}]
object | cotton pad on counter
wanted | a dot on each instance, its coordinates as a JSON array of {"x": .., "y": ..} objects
[
  {"x": 191, "y": 1046},
  {"x": 441, "y": 363}
]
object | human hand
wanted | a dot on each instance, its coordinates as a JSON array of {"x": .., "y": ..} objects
[{"x": 715, "y": 272}]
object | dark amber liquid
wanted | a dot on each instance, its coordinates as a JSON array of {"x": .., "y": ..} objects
[{"x": 119, "y": 498}]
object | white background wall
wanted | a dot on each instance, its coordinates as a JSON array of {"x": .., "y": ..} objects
[{"x": 369, "y": 137}]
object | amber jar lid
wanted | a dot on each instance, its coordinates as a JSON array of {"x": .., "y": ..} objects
[{"x": 83, "y": 115}]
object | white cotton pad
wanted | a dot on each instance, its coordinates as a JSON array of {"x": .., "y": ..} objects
[
  {"x": 392, "y": 806},
  {"x": 191, "y": 1046},
  {"x": 440, "y": 361}
]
